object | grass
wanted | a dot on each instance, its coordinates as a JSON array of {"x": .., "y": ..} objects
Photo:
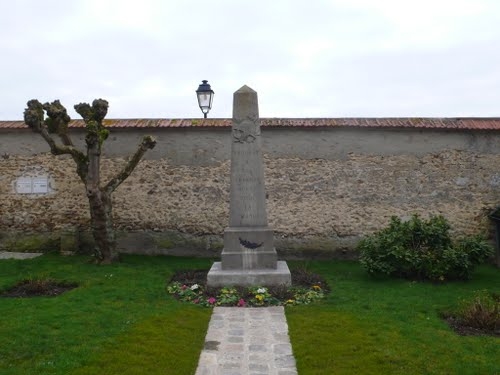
[
  {"x": 389, "y": 326},
  {"x": 120, "y": 320}
]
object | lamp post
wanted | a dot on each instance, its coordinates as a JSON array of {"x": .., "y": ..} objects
[{"x": 205, "y": 96}]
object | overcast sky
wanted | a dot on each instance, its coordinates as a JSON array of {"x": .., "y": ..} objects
[{"x": 305, "y": 58}]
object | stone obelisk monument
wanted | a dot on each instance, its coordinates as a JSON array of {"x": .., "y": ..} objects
[{"x": 249, "y": 256}]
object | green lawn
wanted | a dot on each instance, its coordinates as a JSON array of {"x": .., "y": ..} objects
[
  {"x": 369, "y": 326},
  {"x": 120, "y": 320}
]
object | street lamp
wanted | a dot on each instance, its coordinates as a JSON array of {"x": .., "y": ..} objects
[{"x": 205, "y": 96}]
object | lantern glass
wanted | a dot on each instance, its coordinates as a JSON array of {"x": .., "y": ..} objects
[
  {"x": 205, "y": 101},
  {"x": 205, "y": 96}
]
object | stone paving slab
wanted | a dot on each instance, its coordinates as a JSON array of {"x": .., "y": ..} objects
[
  {"x": 247, "y": 341},
  {"x": 12, "y": 255}
]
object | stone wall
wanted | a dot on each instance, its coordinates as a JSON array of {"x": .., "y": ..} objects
[{"x": 325, "y": 187}]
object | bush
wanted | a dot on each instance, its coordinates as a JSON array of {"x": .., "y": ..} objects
[{"x": 422, "y": 250}]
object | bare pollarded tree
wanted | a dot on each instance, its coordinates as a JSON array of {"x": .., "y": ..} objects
[{"x": 52, "y": 118}]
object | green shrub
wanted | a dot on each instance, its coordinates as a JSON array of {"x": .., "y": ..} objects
[
  {"x": 481, "y": 312},
  {"x": 422, "y": 250}
]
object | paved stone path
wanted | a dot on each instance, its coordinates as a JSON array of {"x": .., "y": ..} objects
[
  {"x": 11, "y": 255},
  {"x": 247, "y": 341}
]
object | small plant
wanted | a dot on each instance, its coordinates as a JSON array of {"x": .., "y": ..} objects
[
  {"x": 305, "y": 297},
  {"x": 301, "y": 276},
  {"x": 260, "y": 296},
  {"x": 422, "y": 250},
  {"x": 479, "y": 314},
  {"x": 37, "y": 286},
  {"x": 42, "y": 286},
  {"x": 282, "y": 292},
  {"x": 186, "y": 293},
  {"x": 228, "y": 296}
]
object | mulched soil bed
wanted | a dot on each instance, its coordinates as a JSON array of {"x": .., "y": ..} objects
[
  {"x": 464, "y": 330},
  {"x": 37, "y": 288},
  {"x": 190, "y": 277},
  {"x": 300, "y": 277}
]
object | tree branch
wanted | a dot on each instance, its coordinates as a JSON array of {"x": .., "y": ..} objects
[
  {"x": 56, "y": 123},
  {"x": 147, "y": 143},
  {"x": 79, "y": 157}
]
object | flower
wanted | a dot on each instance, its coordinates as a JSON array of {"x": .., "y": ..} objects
[{"x": 253, "y": 296}]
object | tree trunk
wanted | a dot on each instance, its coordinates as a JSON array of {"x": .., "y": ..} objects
[
  {"x": 88, "y": 166},
  {"x": 101, "y": 221}
]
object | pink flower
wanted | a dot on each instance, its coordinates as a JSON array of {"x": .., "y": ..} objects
[
  {"x": 241, "y": 303},
  {"x": 211, "y": 300},
  {"x": 184, "y": 287}
]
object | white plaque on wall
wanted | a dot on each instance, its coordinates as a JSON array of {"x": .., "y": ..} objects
[
  {"x": 40, "y": 185},
  {"x": 23, "y": 185},
  {"x": 32, "y": 185}
]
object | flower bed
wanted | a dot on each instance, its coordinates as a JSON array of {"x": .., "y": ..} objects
[{"x": 189, "y": 286}]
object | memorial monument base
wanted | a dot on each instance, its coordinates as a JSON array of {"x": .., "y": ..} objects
[
  {"x": 217, "y": 277},
  {"x": 248, "y": 248}
]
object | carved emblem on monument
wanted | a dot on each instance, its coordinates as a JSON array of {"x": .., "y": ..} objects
[
  {"x": 244, "y": 130},
  {"x": 250, "y": 245}
]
